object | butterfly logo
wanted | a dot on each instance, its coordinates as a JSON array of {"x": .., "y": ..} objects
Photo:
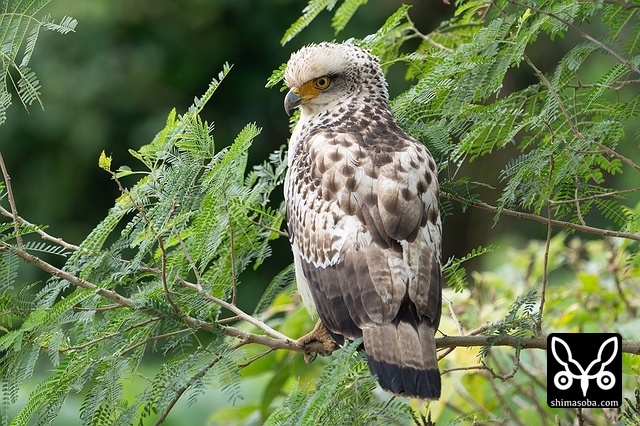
[{"x": 573, "y": 370}]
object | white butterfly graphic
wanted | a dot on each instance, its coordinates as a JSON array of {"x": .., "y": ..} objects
[{"x": 564, "y": 379}]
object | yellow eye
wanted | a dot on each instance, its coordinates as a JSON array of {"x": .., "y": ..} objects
[{"x": 323, "y": 82}]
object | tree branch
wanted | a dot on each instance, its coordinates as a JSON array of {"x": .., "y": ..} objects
[
  {"x": 43, "y": 235},
  {"x": 621, "y": 4},
  {"x": 547, "y": 247},
  {"x": 594, "y": 196},
  {"x": 274, "y": 340},
  {"x": 617, "y": 155},
  {"x": 546, "y": 82},
  {"x": 12, "y": 202},
  {"x": 542, "y": 219},
  {"x": 630, "y": 347}
]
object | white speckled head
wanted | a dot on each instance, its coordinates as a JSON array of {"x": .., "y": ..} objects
[
  {"x": 353, "y": 71},
  {"x": 316, "y": 60}
]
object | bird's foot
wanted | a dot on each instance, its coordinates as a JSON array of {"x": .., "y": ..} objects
[{"x": 317, "y": 342}]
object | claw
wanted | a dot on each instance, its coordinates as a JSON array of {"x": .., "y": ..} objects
[
  {"x": 309, "y": 357},
  {"x": 310, "y": 341}
]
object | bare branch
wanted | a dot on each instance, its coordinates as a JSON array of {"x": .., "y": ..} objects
[
  {"x": 472, "y": 367},
  {"x": 542, "y": 219},
  {"x": 12, "y": 202},
  {"x": 452, "y": 312},
  {"x": 594, "y": 196},
  {"x": 545, "y": 267},
  {"x": 622, "y": 4},
  {"x": 630, "y": 347},
  {"x": 617, "y": 155},
  {"x": 509, "y": 375},
  {"x": 248, "y": 318},
  {"x": 239, "y": 313},
  {"x": 39, "y": 231}
]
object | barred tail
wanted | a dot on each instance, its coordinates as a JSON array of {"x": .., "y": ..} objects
[{"x": 403, "y": 356}]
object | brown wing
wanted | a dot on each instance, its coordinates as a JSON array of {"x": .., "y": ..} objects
[{"x": 363, "y": 216}]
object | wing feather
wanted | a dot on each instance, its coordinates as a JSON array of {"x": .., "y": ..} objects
[{"x": 366, "y": 226}]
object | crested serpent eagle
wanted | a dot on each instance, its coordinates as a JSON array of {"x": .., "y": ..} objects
[{"x": 363, "y": 219}]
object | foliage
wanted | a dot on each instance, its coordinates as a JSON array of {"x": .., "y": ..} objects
[
  {"x": 343, "y": 395},
  {"x": 193, "y": 214},
  {"x": 19, "y": 26},
  {"x": 161, "y": 273}
]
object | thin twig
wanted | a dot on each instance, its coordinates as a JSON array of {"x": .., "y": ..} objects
[
  {"x": 555, "y": 95},
  {"x": 580, "y": 33},
  {"x": 594, "y": 196},
  {"x": 152, "y": 338},
  {"x": 246, "y": 317},
  {"x": 40, "y": 232},
  {"x": 613, "y": 268},
  {"x": 472, "y": 367},
  {"x": 453, "y": 314},
  {"x": 187, "y": 256},
  {"x": 622, "y": 4},
  {"x": 12, "y": 202},
  {"x": 578, "y": 209},
  {"x": 234, "y": 288},
  {"x": 508, "y": 413},
  {"x": 272, "y": 229},
  {"x": 545, "y": 266},
  {"x": 616, "y": 85},
  {"x": 239, "y": 313},
  {"x": 189, "y": 383},
  {"x": 617, "y": 155},
  {"x": 255, "y": 358},
  {"x": 428, "y": 38},
  {"x": 159, "y": 239},
  {"x": 163, "y": 256},
  {"x": 99, "y": 309},
  {"x": 542, "y": 219},
  {"x": 110, "y": 335},
  {"x": 229, "y": 319},
  {"x": 509, "y": 375}
]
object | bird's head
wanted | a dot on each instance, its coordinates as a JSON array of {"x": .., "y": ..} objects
[{"x": 323, "y": 75}]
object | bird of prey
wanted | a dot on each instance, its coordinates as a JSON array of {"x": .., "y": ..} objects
[{"x": 363, "y": 219}]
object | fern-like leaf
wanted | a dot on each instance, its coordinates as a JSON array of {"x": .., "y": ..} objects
[{"x": 311, "y": 10}]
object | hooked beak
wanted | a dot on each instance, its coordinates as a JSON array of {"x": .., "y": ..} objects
[{"x": 291, "y": 101}]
